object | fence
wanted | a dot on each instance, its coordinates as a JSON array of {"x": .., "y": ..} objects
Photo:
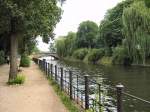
[{"x": 83, "y": 90}]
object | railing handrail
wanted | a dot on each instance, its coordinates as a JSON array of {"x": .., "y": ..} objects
[{"x": 119, "y": 89}]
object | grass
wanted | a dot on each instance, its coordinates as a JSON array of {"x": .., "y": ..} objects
[
  {"x": 69, "y": 104},
  {"x": 20, "y": 79}
]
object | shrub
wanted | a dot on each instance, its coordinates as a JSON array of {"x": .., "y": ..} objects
[
  {"x": 94, "y": 55},
  {"x": 25, "y": 61},
  {"x": 80, "y": 53},
  {"x": 120, "y": 56},
  {"x": 2, "y": 57},
  {"x": 105, "y": 61},
  {"x": 20, "y": 79}
]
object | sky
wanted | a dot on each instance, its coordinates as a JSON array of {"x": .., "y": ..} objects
[{"x": 77, "y": 11}]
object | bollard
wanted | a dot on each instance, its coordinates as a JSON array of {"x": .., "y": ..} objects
[
  {"x": 86, "y": 92},
  {"x": 120, "y": 89},
  {"x": 61, "y": 81},
  {"x": 56, "y": 73},
  {"x": 70, "y": 83}
]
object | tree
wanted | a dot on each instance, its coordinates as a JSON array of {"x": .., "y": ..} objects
[
  {"x": 52, "y": 48},
  {"x": 21, "y": 17},
  {"x": 86, "y": 34},
  {"x": 136, "y": 27},
  {"x": 147, "y": 3},
  {"x": 70, "y": 43},
  {"x": 110, "y": 29},
  {"x": 66, "y": 45},
  {"x": 60, "y": 47}
]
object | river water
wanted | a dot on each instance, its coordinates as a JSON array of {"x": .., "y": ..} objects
[{"x": 135, "y": 79}]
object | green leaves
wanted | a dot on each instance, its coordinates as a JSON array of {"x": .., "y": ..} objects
[
  {"x": 136, "y": 22},
  {"x": 147, "y": 3},
  {"x": 36, "y": 17},
  {"x": 66, "y": 45},
  {"x": 110, "y": 29},
  {"x": 86, "y": 34}
]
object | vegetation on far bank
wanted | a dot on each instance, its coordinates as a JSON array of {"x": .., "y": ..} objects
[{"x": 123, "y": 37}]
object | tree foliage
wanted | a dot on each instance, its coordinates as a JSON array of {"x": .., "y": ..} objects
[
  {"x": 86, "y": 34},
  {"x": 66, "y": 45},
  {"x": 23, "y": 18},
  {"x": 136, "y": 22},
  {"x": 110, "y": 29}
]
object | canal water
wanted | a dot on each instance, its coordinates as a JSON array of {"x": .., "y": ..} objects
[{"x": 135, "y": 79}]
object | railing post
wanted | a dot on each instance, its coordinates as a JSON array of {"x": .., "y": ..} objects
[
  {"x": 120, "y": 89},
  {"x": 86, "y": 92},
  {"x": 70, "y": 83},
  {"x": 77, "y": 89},
  {"x": 51, "y": 71},
  {"x": 61, "y": 80},
  {"x": 43, "y": 65},
  {"x": 40, "y": 64},
  {"x": 48, "y": 70},
  {"x": 56, "y": 73},
  {"x": 99, "y": 90}
]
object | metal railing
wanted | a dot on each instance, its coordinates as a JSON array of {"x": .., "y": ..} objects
[{"x": 84, "y": 90}]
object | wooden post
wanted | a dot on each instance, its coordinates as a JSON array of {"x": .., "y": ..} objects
[
  {"x": 61, "y": 81},
  {"x": 120, "y": 89},
  {"x": 86, "y": 92},
  {"x": 70, "y": 83}
]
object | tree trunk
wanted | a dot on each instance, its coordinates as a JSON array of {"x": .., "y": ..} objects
[{"x": 13, "y": 56}]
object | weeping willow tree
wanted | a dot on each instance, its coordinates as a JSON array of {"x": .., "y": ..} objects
[
  {"x": 136, "y": 27},
  {"x": 61, "y": 47}
]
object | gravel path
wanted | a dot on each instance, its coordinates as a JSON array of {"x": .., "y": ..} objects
[{"x": 36, "y": 95}]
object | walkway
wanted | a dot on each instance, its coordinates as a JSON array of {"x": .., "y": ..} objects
[{"x": 36, "y": 95}]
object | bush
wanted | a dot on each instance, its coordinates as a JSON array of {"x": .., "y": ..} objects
[
  {"x": 105, "y": 61},
  {"x": 20, "y": 79},
  {"x": 120, "y": 56},
  {"x": 80, "y": 53},
  {"x": 25, "y": 61},
  {"x": 94, "y": 55},
  {"x": 2, "y": 57}
]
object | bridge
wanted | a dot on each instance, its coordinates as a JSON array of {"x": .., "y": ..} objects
[{"x": 46, "y": 54}]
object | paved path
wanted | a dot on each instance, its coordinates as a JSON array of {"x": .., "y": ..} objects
[{"x": 36, "y": 95}]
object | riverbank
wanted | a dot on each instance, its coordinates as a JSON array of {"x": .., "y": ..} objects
[
  {"x": 106, "y": 61},
  {"x": 35, "y": 95}
]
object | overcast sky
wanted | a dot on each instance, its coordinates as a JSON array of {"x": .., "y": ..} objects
[{"x": 76, "y": 11}]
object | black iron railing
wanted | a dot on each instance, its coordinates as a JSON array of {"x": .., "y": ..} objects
[{"x": 84, "y": 90}]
